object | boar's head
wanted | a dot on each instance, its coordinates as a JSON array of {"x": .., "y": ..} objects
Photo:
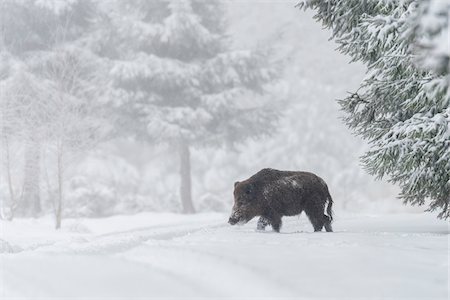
[{"x": 247, "y": 203}]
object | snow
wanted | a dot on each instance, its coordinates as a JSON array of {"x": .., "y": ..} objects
[{"x": 180, "y": 256}]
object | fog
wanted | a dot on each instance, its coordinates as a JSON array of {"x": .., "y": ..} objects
[{"x": 89, "y": 127}]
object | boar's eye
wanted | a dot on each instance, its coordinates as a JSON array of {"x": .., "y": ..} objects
[{"x": 248, "y": 192}]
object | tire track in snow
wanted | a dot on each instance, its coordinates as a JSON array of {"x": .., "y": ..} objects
[
  {"x": 222, "y": 275},
  {"x": 232, "y": 271},
  {"x": 122, "y": 242},
  {"x": 113, "y": 242},
  {"x": 88, "y": 276},
  {"x": 130, "y": 240}
]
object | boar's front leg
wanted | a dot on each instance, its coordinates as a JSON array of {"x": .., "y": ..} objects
[
  {"x": 262, "y": 223},
  {"x": 273, "y": 220}
]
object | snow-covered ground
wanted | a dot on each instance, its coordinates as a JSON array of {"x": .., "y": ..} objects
[{"x": 167, "y": 255}]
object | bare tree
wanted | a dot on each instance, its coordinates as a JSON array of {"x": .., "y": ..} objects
[
  {"x": 75, "y": 124},
  {"x": 23, "y": 120}
]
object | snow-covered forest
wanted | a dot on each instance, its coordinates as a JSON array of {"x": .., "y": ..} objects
[
  {"x": 125, "y": 124},
  {"x": 105, "y": 112}
]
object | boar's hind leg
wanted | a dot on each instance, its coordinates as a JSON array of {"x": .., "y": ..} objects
[
  {"x": 315, "y": 215},
  {"x": 320, "y": 222},
  {"x": 262, "y": 223},
  {"x": 317, "y": 223}
]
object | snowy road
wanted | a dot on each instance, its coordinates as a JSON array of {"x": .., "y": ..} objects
[{"x": 166, "y": 255}]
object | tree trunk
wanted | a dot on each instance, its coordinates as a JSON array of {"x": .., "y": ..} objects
[
  {"x": 13, "y": 203},
  {"x": 58, "y": 206},
  {"x": 185, "y": 174},
  {"x": 30, "y": 204}
]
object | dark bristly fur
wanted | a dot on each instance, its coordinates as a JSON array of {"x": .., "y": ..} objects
[{"x": 272, "y": 194}]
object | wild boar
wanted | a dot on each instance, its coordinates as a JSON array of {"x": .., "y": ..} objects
[{"x": 272, "y": 194}]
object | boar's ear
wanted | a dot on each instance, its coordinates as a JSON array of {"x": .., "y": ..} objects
[{"x": 236, "y": 183}]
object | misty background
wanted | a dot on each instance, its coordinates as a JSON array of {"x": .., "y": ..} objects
[{"x": 80, "y": 138}]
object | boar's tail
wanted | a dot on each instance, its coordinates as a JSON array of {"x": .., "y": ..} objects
[
  {"x": 330, "y": 206},
  {"x": 329, "y": 209}
]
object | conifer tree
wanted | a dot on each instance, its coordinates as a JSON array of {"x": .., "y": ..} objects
[
  {"x": 182, "y": 85},
  {"x": 403, "y": 105}
]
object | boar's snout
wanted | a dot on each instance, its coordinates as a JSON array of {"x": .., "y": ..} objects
[
  {"x": 235, "y": 217},
  {"x": 233, "y": 221}
]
